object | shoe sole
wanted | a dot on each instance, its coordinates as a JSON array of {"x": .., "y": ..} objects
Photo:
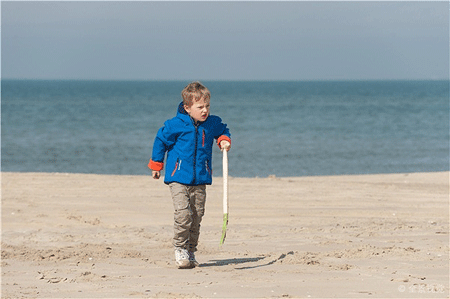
[{"x": 184, "y": 265}]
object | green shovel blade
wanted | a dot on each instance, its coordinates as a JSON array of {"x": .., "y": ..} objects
[{"x": 224, "y": 228}]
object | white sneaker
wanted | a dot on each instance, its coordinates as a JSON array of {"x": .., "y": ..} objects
[
  {"x": 192, "y": 259},
  {"x": 182, "y": 258}
]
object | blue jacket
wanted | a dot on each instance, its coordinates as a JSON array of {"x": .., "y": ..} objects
[{"x": 189, "y": 148}]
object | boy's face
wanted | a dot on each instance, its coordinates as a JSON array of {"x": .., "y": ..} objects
[{"x": 199, "y": 110}]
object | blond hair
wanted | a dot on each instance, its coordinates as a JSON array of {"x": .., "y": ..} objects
[{"x": 195, "y": 91}]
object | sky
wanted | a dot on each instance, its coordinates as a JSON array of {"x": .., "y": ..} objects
[{"x": 225, "y": 40}]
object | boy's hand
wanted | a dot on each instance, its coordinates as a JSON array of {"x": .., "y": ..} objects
[
  {"x": 156, "y": 174},
  {"x": 225, "y": 145}
]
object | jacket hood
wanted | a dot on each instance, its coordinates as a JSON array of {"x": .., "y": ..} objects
[
  {"x": 181, "y": 109},
  {"x": 183, "y": 115}
]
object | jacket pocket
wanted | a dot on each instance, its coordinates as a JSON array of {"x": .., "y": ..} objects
[
  {"x": 208, "y": 168},
  {"x": 177, "y": 167},
  {"x": 203, "y": 138}
]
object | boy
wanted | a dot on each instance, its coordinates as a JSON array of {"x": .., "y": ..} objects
[{"x": 188, "y": 139}]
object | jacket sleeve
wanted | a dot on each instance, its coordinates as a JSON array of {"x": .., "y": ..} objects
[
  {"x": 165, "y": 138},
  {"x": 222, "y": 132}
]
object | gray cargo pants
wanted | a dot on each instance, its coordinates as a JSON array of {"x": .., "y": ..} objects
[{"x": 189, "y": 206}]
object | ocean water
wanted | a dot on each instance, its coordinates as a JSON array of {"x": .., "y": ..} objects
[{"x": 278, "y": 128}]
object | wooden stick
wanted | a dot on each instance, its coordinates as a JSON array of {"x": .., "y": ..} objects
[{"x": 225, "y": 196}]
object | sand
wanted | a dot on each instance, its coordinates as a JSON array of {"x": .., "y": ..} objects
[{"x": 107, "y": 236}]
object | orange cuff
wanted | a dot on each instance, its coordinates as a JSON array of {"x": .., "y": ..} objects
[
  {"x": 156, "y": 166},
  {"x": 223, "y": 137}
]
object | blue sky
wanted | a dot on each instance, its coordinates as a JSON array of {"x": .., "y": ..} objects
[{"x": 225, "y": 40}]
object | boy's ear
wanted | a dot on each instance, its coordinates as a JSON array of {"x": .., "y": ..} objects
[{"x": 187, "y": 108}]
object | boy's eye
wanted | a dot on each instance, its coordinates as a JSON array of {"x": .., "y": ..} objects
[{"x": 202, "y": 107}]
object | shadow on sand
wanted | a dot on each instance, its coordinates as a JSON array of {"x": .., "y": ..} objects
[
  {"x": 237, "y": 261},
  {"x": 216, "y": 263}
]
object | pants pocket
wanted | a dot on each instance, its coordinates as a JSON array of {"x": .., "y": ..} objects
[{"x": 180, "y": 196}]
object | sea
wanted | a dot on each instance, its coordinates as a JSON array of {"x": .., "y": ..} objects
[{"x": 278, "y": 128}]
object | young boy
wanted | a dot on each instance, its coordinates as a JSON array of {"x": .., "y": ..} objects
[{"x": 188, "y": 139}]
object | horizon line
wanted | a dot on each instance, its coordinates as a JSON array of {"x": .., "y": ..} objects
[{"x": 225, "y": 80}]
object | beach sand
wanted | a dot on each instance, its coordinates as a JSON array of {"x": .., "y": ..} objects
[{"x": 108, "y": 236}]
